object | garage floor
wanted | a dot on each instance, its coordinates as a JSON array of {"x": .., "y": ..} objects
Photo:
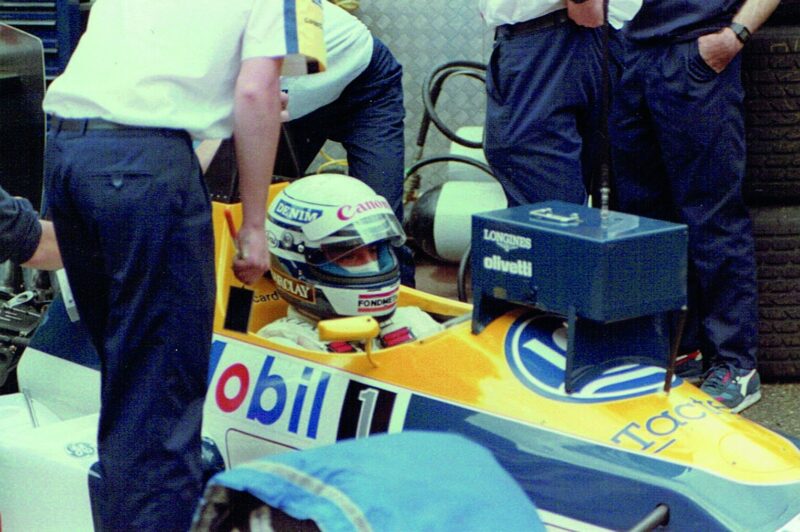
[{"x": 779, "y": 408}]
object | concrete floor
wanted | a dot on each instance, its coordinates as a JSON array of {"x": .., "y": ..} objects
[{"x": 779, "y": 408}]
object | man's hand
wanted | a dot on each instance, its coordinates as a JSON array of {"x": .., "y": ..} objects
[
  {"x": 253, "y": 259},
  {"x": 588, "y": 13},
  {"x": 718, "y": 49}
]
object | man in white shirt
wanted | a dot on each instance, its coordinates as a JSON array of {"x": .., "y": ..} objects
[
  {"x": 544, "y": 88},
  {"x": 133, "y": 220}
]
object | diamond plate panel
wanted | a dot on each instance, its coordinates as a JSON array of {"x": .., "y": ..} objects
[{"x": 424, "y": 34}]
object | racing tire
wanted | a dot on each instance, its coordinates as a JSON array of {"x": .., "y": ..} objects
[
  {"x": 771, "y": 77},
  {"x": 787, "y": 12},
  {"x": 777, "y": 236}
]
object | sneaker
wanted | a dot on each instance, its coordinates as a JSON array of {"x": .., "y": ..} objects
[
  {"x": 735, "y": 388},
  {"x": 689, "y": 367}
]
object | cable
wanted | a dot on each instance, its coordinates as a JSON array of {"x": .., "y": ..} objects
[
  {"x": 334, "y": 163},
  {"x": 463, "y": 270},
  {"x": 412, "y": 181},
  {"x": 605, "y": 145},
  {"x": 348, "y": 5},
  {"x": 431, "y": 89},
  {"x": 330, "y": 161},
  {"x": 290, "y": 146}
]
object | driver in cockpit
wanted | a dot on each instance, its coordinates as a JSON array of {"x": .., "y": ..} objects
[{"x": 331, "y": 243}]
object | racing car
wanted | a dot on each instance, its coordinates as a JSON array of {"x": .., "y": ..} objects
[{"x": 594, "y": 444}]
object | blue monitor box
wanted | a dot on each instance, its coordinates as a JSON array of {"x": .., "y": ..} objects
[{"x": 568, "y": 259}]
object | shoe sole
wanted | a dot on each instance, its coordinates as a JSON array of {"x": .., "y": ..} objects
[{"x": 748, "y": 401}]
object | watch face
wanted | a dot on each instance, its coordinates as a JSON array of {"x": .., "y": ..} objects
[{"x": 741, "y": 31}]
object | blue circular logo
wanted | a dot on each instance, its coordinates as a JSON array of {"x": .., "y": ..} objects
[{"x": 536, "y": 350}]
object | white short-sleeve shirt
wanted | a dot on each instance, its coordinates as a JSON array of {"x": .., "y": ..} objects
[
  {"x": 168, "y": 63},
  {"x": 498, "y": 12},
  {"x": 349, "y": 46}
]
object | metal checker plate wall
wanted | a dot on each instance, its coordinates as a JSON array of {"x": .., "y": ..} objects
[{"x": 424, "y": 34}]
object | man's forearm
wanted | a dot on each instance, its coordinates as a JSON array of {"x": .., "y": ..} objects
[
  {"x": 754, "y": 13},
  {"x": 47, "y": 255},
  {"x": 719, "y": 48},
  {"x": 257, "y": 114},
  {"x": 257, "y": 109}
]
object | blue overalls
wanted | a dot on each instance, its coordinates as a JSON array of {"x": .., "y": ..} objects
[
  {"x": 543, "y": 86},
  {"x": 677, "y": 130},
  {"x": 133, "y": 219}
]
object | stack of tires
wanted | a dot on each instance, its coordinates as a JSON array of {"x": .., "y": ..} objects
[{"x": 771, "y": 77}]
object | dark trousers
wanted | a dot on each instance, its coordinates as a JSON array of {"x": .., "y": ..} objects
[
  {"x": 367, "y": 119},
  {"x": 679, "y": 154},
  {"x": 543, "y": 107},
  {"x": 132, "y": 217}
]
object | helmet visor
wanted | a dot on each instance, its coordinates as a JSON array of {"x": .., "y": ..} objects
[
  {"x": 352, "y": 242},
  {"x": 358, "y": 260},
  {"x": 371, "y": 220}
]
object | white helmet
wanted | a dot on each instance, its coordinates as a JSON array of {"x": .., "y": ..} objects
[{"x": 330, "y": 241}]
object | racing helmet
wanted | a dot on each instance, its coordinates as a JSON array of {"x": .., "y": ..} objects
[{"x": 331, "y": 240}]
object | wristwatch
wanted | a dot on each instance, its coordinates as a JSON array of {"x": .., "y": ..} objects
[{"x": 741, "y": 31}]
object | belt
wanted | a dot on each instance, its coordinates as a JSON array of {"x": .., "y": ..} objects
[
  {"x": 550, "y": 20},
  {"x": 82, "y": 125}
]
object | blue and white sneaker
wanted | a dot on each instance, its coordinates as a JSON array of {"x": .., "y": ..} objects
[{"x": 735, "y": 388}]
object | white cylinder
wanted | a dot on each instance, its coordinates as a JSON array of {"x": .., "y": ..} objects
[
  {"x": 464, "y": 172},
  {"x": 458, "y": 201}
]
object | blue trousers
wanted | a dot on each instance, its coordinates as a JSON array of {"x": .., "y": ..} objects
[
  {"x": 677, "y": 130},
  {"x": 543, "y": 106},
  {"x": 367, "y": 119},
  {"x": 133, "y": 219}
]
